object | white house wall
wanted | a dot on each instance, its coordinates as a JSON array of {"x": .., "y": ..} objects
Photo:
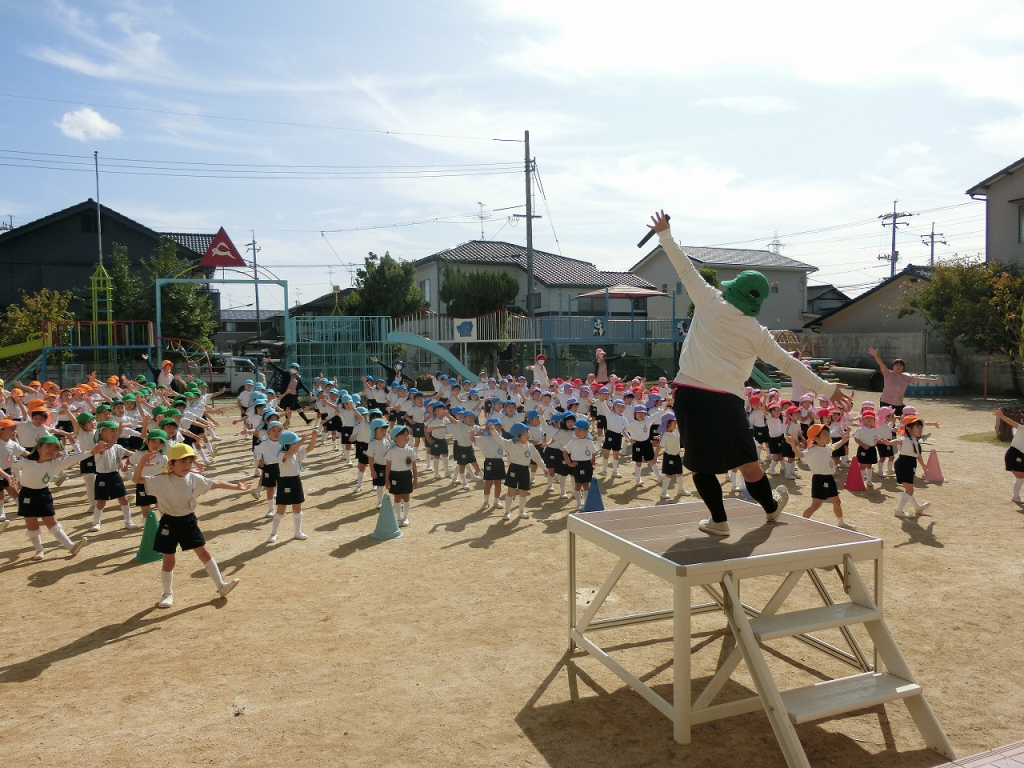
[{"x": 1002, "y": 229}]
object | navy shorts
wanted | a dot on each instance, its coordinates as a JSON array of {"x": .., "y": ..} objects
[
  {"x": 550, "y": 457},
  {"x": 776, "y": 444},
  {"x": 142, "y": 498},
  {"x": 787, "y": 451},
  {"x": 346, "y": 435},
  {"x": 87, "y": 466},
  {"x": 174, "y": 532},
  {"x": 867, "y": 455},
  {"x": 518, "y": 477},
  {"x": 583, "y": 472},
  {"x": 906, "y": 467},
  {"x": 885, "y": 451},
  {"x": 378, "y": 481},
  {"x": 34, "y": 502},
  {"x": 823, "y": 487},
  {"x": 417, "y": 429},
  {"x": 361, "y": 453},
  {"x": 643, "y": 451},
  {"x": 761, "y": 434},
  {"x": 269, "y": 475},
  {"x": 494, "y": 469},
  {"x": 464, "y": 454},
  {"x": 612, "y": 441},
  {"x": 602, "y": 422},
  {"x": 671, "y": 464},
  {"x": 333, "y": 424},
  {"x": 289, "y": 491},
  {"x": 109, "y": 485},
  {"x": 1013, "y": 460},
  {"x": 401, "y": 483},
  {"x": 439, "y": 447}
]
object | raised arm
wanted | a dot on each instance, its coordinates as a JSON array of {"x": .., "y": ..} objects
[
  {"x": 696, "y": 287},
  {"x": 878, "y": 359}
]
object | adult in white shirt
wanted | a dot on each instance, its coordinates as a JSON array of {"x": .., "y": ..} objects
[{"x": 724, "y": 340}]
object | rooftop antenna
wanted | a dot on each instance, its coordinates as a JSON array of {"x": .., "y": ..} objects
[{"x": 481, "y": 220}]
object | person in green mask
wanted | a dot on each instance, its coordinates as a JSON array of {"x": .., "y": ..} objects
[{"x": 724, "y": 340}]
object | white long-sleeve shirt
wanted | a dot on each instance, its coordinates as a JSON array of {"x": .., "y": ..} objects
[{"x": 723, "y": 343}]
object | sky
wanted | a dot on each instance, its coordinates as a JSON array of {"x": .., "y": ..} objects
[{"x": 329, "y": 130}]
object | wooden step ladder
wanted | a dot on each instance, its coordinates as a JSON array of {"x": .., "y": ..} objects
[{"x": 832, "y": 697}]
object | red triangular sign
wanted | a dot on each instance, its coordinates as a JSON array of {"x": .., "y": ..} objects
[{"x": 221, "y": 253}]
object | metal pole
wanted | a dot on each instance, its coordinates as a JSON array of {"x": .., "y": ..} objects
[
  {"x": 255, "y": 279},
  {"x": 529, "y": 230},
  {"x": 99, "y": 224},
  {"x": 892, "y": 262}
]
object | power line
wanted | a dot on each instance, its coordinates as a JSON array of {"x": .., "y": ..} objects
[{"x": 255, "y": 120}]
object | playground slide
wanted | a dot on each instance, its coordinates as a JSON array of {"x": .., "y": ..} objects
[
  {"x": 412, "y": 340},
  {"x": 762, "y": 381},
  {"x": 32, "y": 345}
]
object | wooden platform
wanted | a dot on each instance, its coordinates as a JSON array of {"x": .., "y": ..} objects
[{"x": 665, "y": 541}]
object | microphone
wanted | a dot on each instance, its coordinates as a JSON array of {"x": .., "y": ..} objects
[{"x": 650, "y": 234}]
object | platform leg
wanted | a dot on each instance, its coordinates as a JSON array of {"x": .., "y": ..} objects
[
  {"x": 785, "y": 733},
  {"x": 681, "y": 660},
  {"x": 572, "y": 588}
]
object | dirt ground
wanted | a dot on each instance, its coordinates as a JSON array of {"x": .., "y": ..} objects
[{"x": 448, "y": 646}]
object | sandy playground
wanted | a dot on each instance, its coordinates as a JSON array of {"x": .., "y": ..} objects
[{"x": 448, "y": 646}]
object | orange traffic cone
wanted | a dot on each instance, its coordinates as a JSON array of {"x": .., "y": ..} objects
[
  {"x": 932, "y": 471},
  {"x": 854, "y": 477}
]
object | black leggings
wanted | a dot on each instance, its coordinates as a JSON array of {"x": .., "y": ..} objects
[{"x": 710, "y": 491}]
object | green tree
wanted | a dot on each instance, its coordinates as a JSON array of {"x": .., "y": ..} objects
[
  {"x": 710, "y": 276},
  {"x": 22, "y": 322},
  {"x": 187, "y": 309},
  {"x": 476, "y": 293},
  {"x": 384, "y": 286}
]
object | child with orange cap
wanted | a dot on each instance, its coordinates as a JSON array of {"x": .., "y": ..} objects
[
  {"x": 10, "y": 452},
  {"x": 906, "y": 465},
  {"x": 819, "y": 458}
]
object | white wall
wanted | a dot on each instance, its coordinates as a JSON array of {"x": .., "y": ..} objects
[
  {"x": 1002, "y": 228},
  {"x": 780, "y": 311}
]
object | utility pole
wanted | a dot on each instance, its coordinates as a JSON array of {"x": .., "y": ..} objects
[
  {"x": 481, "y": 220},
  {"x": 528, "y": 164},
  {"x": 99, "y": 223},
  {"x": 930, "y": 241},
  {"x": 255, "y": 279},
  {"x": 893, "y": 220}
]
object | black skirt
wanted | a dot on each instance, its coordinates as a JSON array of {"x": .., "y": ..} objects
[{"x": 715, "y": 432}]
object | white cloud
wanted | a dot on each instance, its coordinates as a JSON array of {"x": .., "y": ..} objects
[
  {"x": 753, "y": 105},
  {"x": 87, "y": 124}
]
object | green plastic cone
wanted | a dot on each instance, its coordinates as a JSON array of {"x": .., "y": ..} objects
[
  {"x": 387, "y": 524},
  {"x": 146, "y": 553}
]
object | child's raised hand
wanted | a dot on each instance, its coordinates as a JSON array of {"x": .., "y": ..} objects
[{"x": 100, "y": 447}]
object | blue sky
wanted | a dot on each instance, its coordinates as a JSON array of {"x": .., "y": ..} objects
[{"x": 741, "y": 120}]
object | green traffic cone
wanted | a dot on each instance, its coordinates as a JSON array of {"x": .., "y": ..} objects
[
  {"x": 387, "y": 524},
  {"x": 146, "y": 553}
]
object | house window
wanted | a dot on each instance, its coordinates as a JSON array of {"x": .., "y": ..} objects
[
  {"x": 664, "y": 287},
  {"x": 1020, "y": 223},
  {"x": 679, "y": 287},
  {"x": 775, "y": 287},
  {"x": 230, "y": 327},
  {"x": 425, "y": 286}
]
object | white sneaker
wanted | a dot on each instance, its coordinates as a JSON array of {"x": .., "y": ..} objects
[
  {"x": 437, "y": 475},
  {"x": 664, "y": 496},
  {"x": 38, "y": 555},
  {"x": 563, "y": 496},
  {"x": 683, "y": 492},
  {"x": 715, "y": 529},
  {"x": 226, "y": 589},
  {"x": 94, "y": 528},
  {"x": 272, "y": 538},
  {"x": 76, "y": 547},
  {"x": 404, "y": 522},
  {"x": 465, "y": 486},
  {"x": 639, "y": 483},
  {"x": 270, "y": 513},
  {"x": 131, "y": 526},
  {"x": 507, "y": 516},
  {"x": 255, "y": 493},
  {"x": 166, "y": 601},
  {"x": 524, "y": 514},
  {"x": 616, "y": 473},
  {"x": 301, "y": 536},
  {"x": 847, "y": 526},
  {"x": 781, "y": 496},
  {"x": 921, "y": 507},
  {"x": 902, "y": 515},
  {"x": 1014, "y": 499}
]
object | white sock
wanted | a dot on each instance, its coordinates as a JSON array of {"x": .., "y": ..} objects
[
  {"x": 615, "y": 465},
  {"x": 902, "y": 502},
  {"x": 771, "y": 467},
  {"x": 167, "y": 580},
  {"x": 839, "y": 520},
  {"x": 37, "y": 540},
  {"x": 1016, "y": 490},
  {"x": 202, "y": 454},
  {"x": 551, "y": 481},
  {"x": 522, "y": 504},
  {"x": 867, "y": 474},
  {"x": 214, "y": 571},
  {"x": 58, "y": 533},
  {"x": 636, "y": 473},
  {"x": 405, "y": 510},
  {"x": 508, "y": 505},
  {"x": 561, "y": 483},
  {"x": 656, "y": 472},
  {"x": 298, "y": 523},
  {"x": 380, "y": 493},
  {"x": 3, "y": 498},
  {"x": 97, "y": 515},
  {"x": 604, "y": 466},
  {"x": 579, "y": 496},
  {"x": 278, "y": 517},
  {"x": 917, "y": 503},
  {"x": 126, "y": 510},
  {"x": 446, "y": 469},
  {"x": 664, "y": 483}
]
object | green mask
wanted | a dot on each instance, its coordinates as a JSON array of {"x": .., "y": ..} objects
[{"x": 747, "y": 291}]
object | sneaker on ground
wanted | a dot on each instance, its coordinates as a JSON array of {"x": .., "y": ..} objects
[
  {"x": 76, "y": 548},
  {"x": 94, "y": 528},
  {"x": 715, "y": 529},
  {"x": 684, "y": 492},
  {"x": 921, "y": 507},
  {"x": 226, "y": 589},
  {"x": 270, "y": 513},
  {"x": 301, "y": 536},
  {"x": 902, "y": 515},
  {"x": 848, "y": 526},
  {"x": 616, "y": 474},
  {"x": 405, "y": 522},
  {"x": 271, "y": 538},
  {"x": 166, "y": 601},
  {"x": 524, "y": 514},
  {"x": 1017, "y": 500},
  {"x": 131, "y": 526},
  {"x": 507, "y": 516},
  {"x": 664, "y": 496},
  {"x": 781, "y": 496},
  {"x": 37, "y": 556}
]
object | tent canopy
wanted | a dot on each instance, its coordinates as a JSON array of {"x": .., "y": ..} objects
[{"x": 622, "y": 292}]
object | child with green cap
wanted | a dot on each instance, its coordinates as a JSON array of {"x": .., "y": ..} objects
[
  {"x": 109, "y": 484},
  {"x": 156, "y": 442},
  {"x": 85, "y": 434},
  {"x": 35, "y": 501},
  {"x": 717, "y": 357}
]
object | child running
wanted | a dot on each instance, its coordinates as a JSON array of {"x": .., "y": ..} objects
[{"x": 177, "y": 490}]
